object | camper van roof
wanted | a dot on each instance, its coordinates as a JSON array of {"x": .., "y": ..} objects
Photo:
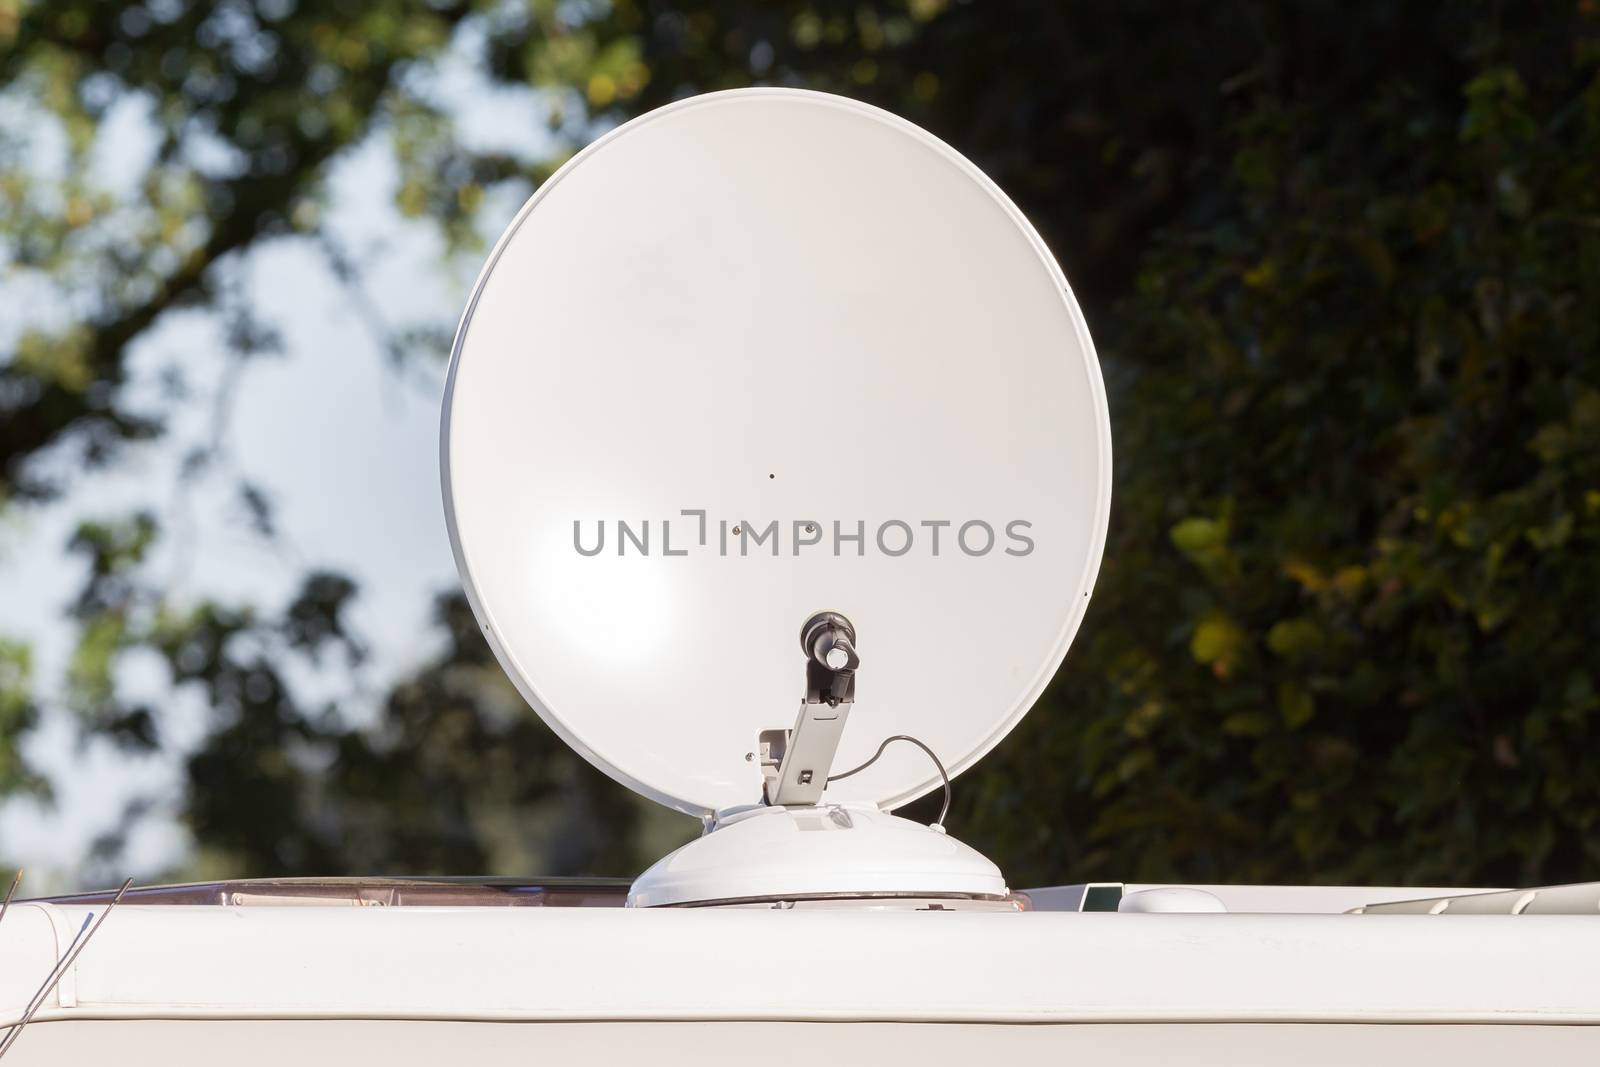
[{"x": 593, "y": 964}]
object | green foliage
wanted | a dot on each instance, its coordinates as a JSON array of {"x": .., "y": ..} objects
[
  {"x": 1344, "y": 627},
  {"x": 17, "y": 715},
  {"x": 1343, "y": 264}
]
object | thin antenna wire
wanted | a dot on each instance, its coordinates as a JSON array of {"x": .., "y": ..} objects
[
  {"x": 74, "y": 950},
  {"x": 6, "y": 905},
  {"x": 939, "y": 822}
]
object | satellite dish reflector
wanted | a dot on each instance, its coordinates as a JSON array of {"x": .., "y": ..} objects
[{"x": 751, "y": 357}]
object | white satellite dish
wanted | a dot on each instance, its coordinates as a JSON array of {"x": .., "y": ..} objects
[{"x": 751, "y": 357}]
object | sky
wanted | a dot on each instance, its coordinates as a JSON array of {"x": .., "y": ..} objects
[{"x": 344, "y": 443}]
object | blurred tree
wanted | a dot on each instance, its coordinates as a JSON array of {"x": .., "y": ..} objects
[
  {"x": 1343, "y": 265},
  {"x": 249, "y": 106},
  {"x": 1345, "y": 630}
]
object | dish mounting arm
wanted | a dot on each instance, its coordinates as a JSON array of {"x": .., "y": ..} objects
[{"x": 804, "y": 755}]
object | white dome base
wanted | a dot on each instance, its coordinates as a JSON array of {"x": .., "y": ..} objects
[{"x": 831, "y": 851}]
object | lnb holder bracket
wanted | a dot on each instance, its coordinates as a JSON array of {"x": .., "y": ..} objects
[{"x": 803, "y": 757}]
